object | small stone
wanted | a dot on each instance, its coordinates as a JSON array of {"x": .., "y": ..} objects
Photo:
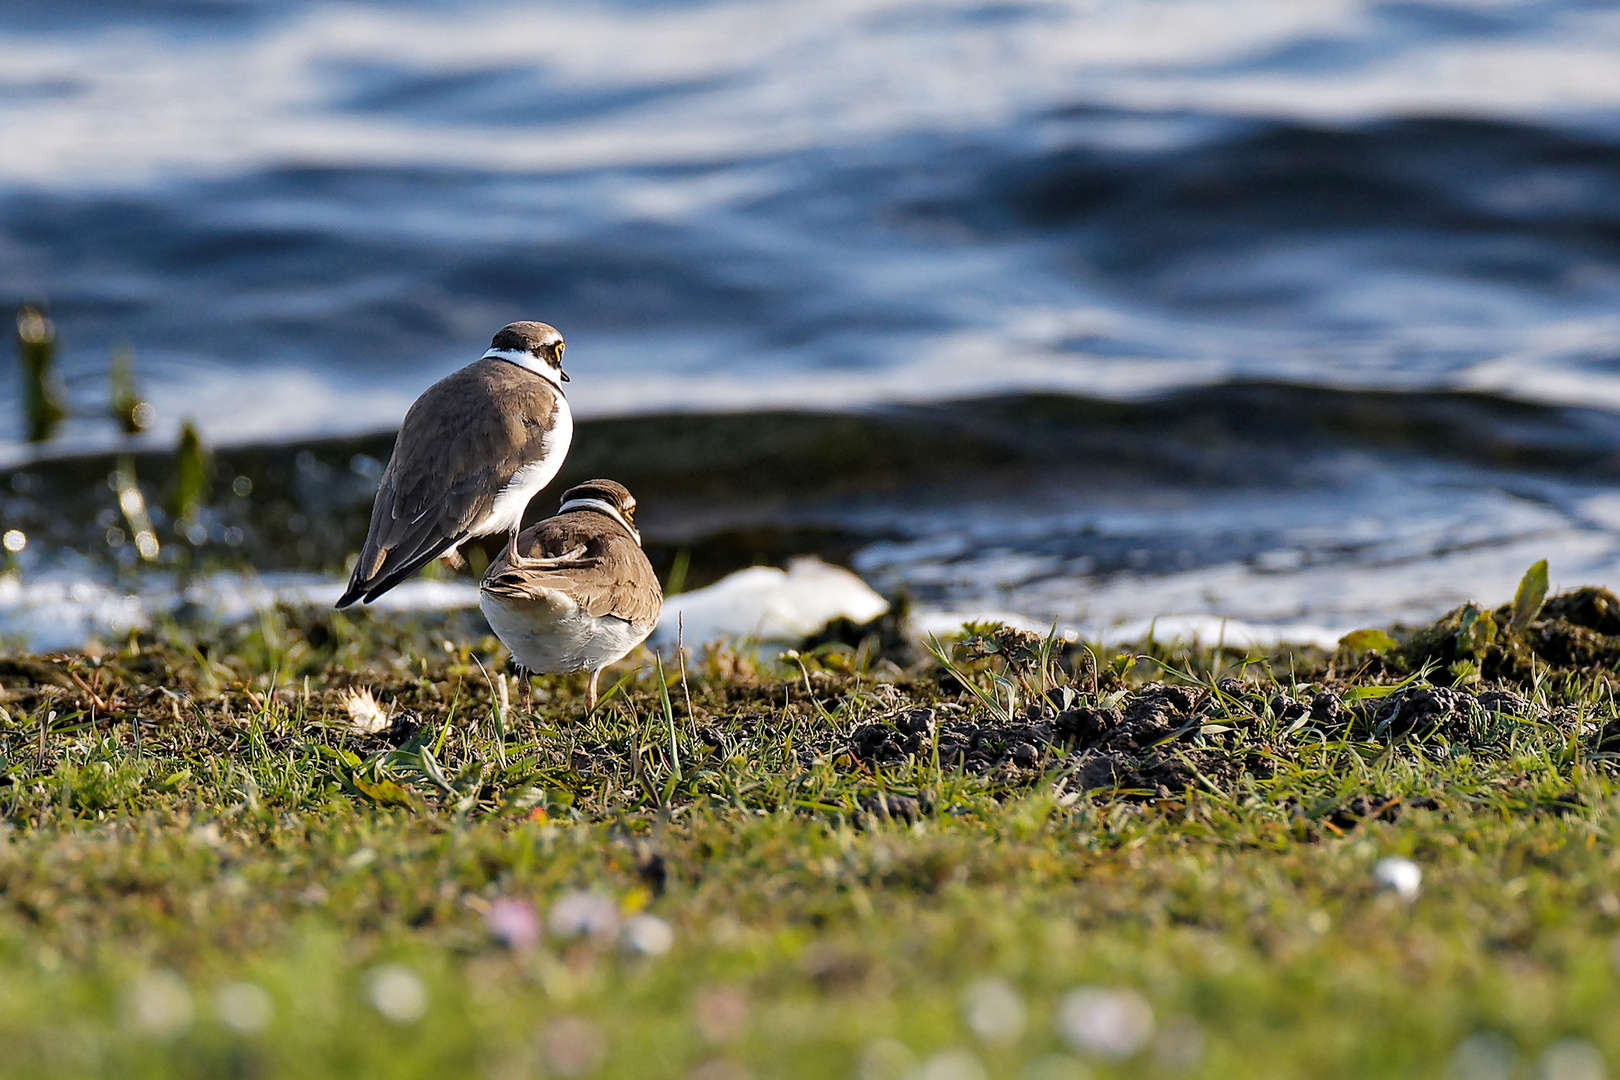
[
  {"x": 397, "y": 993},
  {"x": 1326, "y": 710},
  {"x": 648, "y": 935},
  {"x": 1403, "y": 877}
]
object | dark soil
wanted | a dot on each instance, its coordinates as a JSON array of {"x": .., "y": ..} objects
[{"x": 1161, "y": 739}]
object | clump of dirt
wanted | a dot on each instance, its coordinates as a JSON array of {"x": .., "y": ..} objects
[
  {"x": 1153, "y": 741},
  {"x": 1577, "y": 631},
  {"x": 1161, "y": 739}
]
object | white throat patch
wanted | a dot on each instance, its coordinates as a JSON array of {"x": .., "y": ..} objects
[
  {"x": 606, "y": 508},
  {"x": 525, "y": 359}
]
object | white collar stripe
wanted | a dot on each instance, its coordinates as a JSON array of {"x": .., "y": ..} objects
[
  {"x": 599, "y": 504},
  {"x": 526, "y": 360}
]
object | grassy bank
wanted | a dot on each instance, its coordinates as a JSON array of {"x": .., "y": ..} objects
[{"x": 219, "y": 859}]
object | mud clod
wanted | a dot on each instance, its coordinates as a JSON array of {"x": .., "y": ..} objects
[
  {"x": 1577, "y": 631},
  {"x": 1326, "y": 711},
  {"x": 1165, "y": 737},
  {"x": 1287, "y": 709},
  {"x": 1425, "y": 710},
  {"x": 889, "y": 807}
]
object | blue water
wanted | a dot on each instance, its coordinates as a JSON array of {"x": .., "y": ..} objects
[{"x": 300, "y": 215}]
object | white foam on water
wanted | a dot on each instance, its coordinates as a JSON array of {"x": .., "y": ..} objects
[
  {"x": 64, "y": 610},
  {"x": 1238, "y": 605}
]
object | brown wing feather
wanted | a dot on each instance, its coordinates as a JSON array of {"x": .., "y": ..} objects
[
  {"x": 441, "y": 481},
  {"x": 613, "y": 577}
]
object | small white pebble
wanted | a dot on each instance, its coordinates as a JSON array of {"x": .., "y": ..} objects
[
  {"x": 397, "y": 993},
  {"x": 1571, "y": 1059},
  {"x": 159, "y": 1003},
  {"x": 993, "y": 1010},
  {"x": 581, "y": 914},
  {"x": 1403, "y": 877},
  {"x": 649, "y": 935},
  {"x": 244, "y": 1007}
]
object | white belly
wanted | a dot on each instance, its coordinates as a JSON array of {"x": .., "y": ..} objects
[
  {"x": 554, "y": 635},
  {"x": 507, "y": 513}
]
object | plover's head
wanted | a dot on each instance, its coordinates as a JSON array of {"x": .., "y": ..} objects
[
  {"x": 533, "y": 345},
  {"x": 605, "y": 497}
]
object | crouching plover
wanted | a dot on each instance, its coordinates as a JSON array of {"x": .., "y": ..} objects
[
  {"x": 473, "y": 450},
  {"x": 575, "y": 592}
]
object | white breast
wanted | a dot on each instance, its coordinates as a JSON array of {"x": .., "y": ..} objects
[
  {"x": 552, "y": 634},
  {"x": 507, "y": 513}
]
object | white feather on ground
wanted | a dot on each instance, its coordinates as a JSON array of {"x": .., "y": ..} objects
[
  {"x": 765, "y": 603},
  {"x": 366, "y": 715}
]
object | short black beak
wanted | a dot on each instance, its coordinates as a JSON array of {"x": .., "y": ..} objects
[{"x": 564, "y": 375}]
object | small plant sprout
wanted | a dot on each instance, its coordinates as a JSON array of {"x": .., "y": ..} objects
[
  {"x": 193, "y": 475},
  {"x": 1372, "y": 640},
  {"x": 1531, "y": 594},
  {"x": 125, "y": 405},
  {"x": 42, "y": 388},
  {"x": 366, "y": 715},
  {"x": 1403, "y": 877}
]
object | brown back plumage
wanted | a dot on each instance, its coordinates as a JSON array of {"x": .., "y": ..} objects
[
  {"x": 610, "y": 577},
  {"x": 459, "y": 445}
]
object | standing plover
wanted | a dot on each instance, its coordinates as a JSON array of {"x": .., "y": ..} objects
[
  {"x": 473, "y": 450},
  {"x": 575, "y": 592}
]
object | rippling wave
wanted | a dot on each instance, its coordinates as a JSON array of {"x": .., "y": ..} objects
[{"x": 1304, "y": 314}]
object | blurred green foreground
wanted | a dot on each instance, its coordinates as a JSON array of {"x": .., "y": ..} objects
[{"x": 220, "y": 858}]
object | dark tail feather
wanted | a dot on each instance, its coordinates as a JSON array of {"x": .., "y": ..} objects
[{"x": 370, "y": 590}]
